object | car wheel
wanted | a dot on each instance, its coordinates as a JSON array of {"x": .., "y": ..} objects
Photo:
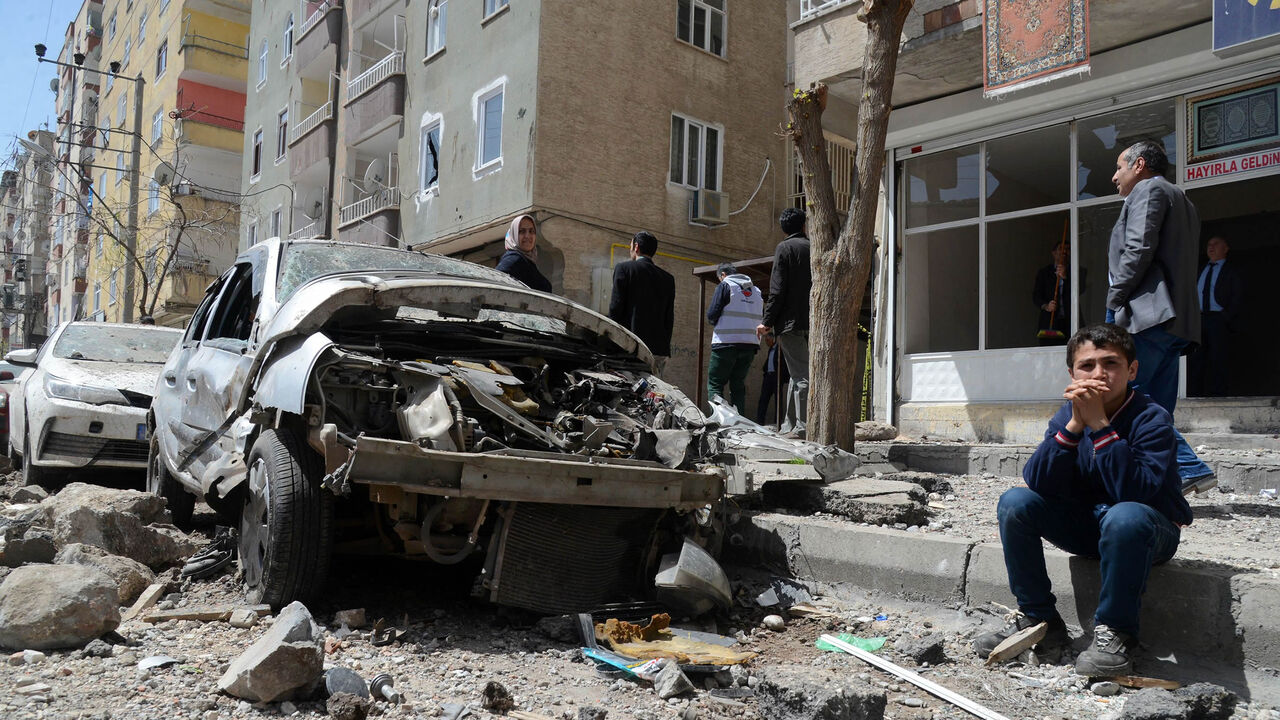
[
  {"x": 160, "y": 482},
  {"x": 33, "y": 474},
  {"x": 285, "y": 522}
]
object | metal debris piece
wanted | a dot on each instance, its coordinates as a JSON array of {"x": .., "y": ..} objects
[{"x": 383, "y": 687}]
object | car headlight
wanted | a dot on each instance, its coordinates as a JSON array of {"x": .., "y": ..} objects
[{"x": 92, "y": 394}]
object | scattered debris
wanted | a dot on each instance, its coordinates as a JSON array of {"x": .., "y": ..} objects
[
  {"x": 1104, "y": 689},
  {"x": 874, "y": 430},
  {"x": 342, "y": 680},
  {"x": 671, "y": 681},
  {"x": 156, "y": 661},
  {"x": 1013, "y": 645},
  {"x": 383, "y": 684},
  {"x": 215, "y": 556},
  {"x": 128, "y": 523},
  {"x": 786, "y": 593},
  {"x": 692, "y": 582},
  {"x": 345, "y": 706},
  {"x": 243, "y": 618},
  {"x": 131, "y": 577},
  {"x": 774, "y": 623},
  {"x": 204, "y": 613},
  {"x": 354, "y": 619},
  {"x": 45, "y": 607},
  {"x": 795, "y": 692},
  {"x": 1137, "y": 681},
  {"x": 284, "y": 660},
  {"x": 616, "y": 631},
  {"x": 496, "y": 699},
  {"x": 924, "y": 650}
]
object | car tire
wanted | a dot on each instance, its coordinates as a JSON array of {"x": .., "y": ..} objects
[
  {"x": 286, "y": 534},
  {"x": 161, "y": 482},
  {"x": 34, "y": 474}
]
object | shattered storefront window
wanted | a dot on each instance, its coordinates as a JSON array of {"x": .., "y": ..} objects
[{"x": 305, "y": 262}]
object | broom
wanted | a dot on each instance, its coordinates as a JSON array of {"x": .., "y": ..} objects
[{"x": 1050, "y": 333}]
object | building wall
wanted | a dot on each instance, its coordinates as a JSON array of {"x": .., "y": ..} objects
[{"x": 265, "y": 97}]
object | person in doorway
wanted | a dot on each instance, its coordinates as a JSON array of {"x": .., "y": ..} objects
[
  {"x": 520, "y": 260},
  {"x": 775, "y": 376},
  {"x": 787, "y": 315},
  {"x": 1103, "y": 483},
  {"x": 1151, "y": 262},
  {"x": 644, "y": 298},
  {"x": 1052, "y": 294},
  {"x": 1221, "y": 296},
  {"x": 735, "y": 311}
]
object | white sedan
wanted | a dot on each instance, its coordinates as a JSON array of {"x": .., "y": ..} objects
[{"x": 85, "y": 401}]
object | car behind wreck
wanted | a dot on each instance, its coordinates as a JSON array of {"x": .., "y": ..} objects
[{"x": 387, "y": 401}]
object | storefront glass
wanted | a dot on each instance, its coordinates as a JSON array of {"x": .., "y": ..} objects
[
  {"x": 942, "y": 281},
  {"x": 1101, "y": 139},
  {"x": 942, "y": 187},
  {"x": 1029, "y": 170}
]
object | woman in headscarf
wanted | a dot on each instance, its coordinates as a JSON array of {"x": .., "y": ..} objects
[{"x": 520, "y": 261}]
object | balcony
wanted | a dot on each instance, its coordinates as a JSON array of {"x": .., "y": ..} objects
[
  {"x": 205, "y": 56},
  {"x": 375, "y": 98},
  {"x": 321, "y": 31},
  {"x": 310, "y": 230},
  {"x": 372, "y": 218},
  {"x": 809, "y": 8},
  {"x": 311, "y": 141}
]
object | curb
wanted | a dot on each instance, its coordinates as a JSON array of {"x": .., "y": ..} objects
[
  {"x": 1244, "y": 475},
  {"x": 1223, "y": 614}
]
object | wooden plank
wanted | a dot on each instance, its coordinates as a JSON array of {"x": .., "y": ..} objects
[
  {"x": 526, "y": 715},
  {"x": 149, "y": 597},
  {"x": 1017, "y": 642},
  {"x": 1138, "y": 681},
  {"x": 203, "y": 613}
]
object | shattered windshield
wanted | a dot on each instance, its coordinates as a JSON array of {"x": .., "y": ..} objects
[
  {"x": 306, "y": 261},
  {"x": 116, "y": 343},
  {"x": 526, "y": 321}
]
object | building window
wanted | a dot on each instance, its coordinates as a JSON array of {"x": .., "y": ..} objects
[
  {"x": 490, "y": 126},
  {"x": 164, "y": 5},
  {"x": 701, "y": 23},
  {"x": 111, "y": 27},
  {"x": 97, "y": 296},
  {"x": 253, "y": 234},
  {"x": 128, "y": 45},
  {"x": 157, "y": 126},
  {"x": 275, "y": 223},
  {"x": 257, "y": 153},
  {"x": 262, "y": 63},
  {"x": 491, "y": 7},
  {"x": 429, "y": 156},
  {"x": 122, "y": 106},
  {"x": 153, "y": 197},
  {"x": 111, "y": 289},
  {"x": 111, "y": 80},
  {"x": 98, "y": 249},
  {"x": 696, "y": 149},
  {"x": 142, "y": 27},
  {"x": 436, "y": 22},
  {"x": 162, "y": 59},
  {"x": 119, "y": 167},
  {"x": 282, "y": 134},
  {"x": 287, "y": 40}
]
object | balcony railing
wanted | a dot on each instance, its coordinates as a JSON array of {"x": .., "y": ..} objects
[
  {"x": 809, "y": 8},
  {"x": 317, "y": 12},
  {"x": 322, "y": 113},
  {"x": 380, "y": 200},
  {"x": 392, "y": 64},
  {"x": 190, "y": 39},
  {"x": 311, "y": 229}
]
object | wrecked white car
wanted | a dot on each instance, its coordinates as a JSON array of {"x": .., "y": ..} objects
[
  {"x": 338, "y": 396},
  {"x": 84, "y": 400}
]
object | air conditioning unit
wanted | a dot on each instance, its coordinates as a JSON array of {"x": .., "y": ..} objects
[{"x": 710, "y": 207}]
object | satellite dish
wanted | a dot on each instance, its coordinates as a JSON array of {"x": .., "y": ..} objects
[
  {"x": 39, "y": 151},
  {"x": 375, "y": 174},
  {"x": 312, "y": 204},
  {"x": 163, "y": 174}
]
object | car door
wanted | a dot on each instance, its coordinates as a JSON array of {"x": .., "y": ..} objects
[{"x": 218, "y": 367}]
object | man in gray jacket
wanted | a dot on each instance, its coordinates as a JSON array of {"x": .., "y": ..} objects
[{"x": 1152, "y": 262}]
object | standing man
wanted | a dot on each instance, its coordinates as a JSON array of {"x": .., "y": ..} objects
[
  {"x": 1052, "y": 294},
  {"x": 644, "y": 298},
  {"x": 1221, "y": 296},
  {"x": 787, "y": 315},
  {"x": 735, "y": 312},
  {"x": 1152, "y": 260}
]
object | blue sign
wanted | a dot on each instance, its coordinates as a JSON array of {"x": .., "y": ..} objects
[{"x": 1245, "y": 22}]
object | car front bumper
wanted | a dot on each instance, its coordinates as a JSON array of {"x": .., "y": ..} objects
[{"x": 74, "y": 434}]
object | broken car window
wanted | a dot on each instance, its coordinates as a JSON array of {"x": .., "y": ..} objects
[
  {"x": 306, "y": 261},
  {"x": 111, "y": 343}
]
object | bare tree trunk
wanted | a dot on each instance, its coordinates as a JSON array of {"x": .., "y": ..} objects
[{"x": 841, "y": 257}]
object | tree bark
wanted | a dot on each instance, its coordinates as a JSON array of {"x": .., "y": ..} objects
[{"x": 841, "y": 257}]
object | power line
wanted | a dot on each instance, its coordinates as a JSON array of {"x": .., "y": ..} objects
[{"x": 35, "y": 75}]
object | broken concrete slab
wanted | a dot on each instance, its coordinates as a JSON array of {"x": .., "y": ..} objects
[
  {"x": 861, "y": 499},
  {"x": 873, "y": 430},
  {"x": 926, "y": 649},
  {"x": 284, "y": 661},
  {"x": 47, "y": 607},
  {"x": 204, "y": 613},
  {"x": 797, "y": 693},
  {"x": 131, "y": 577},
  {"x": 123, "y": 522},
  {"x": 1153, "y": 704},
  {"x": 1206, "y": 701}
]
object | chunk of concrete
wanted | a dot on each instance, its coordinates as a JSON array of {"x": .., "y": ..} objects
[
  {"x": 924, "y": 649},
  {"x": 671, "y": 681},
  {"x": 46, "y": 607},
  {"x": 796, "y": 693},
  {"x": 1206, "y": 701},
  {"x": 123, "y": 522},
  {"x": 287, "y": 659},
  {"x": 17, "y": 524},
  {"x": 861, "y": 499},
  {"x": 1153, "y": 704},
  {"x": 874, "y": 430},
  {"x": 131, "y": 577},
  {"x": 353, "y": 619},
  {"x": 243, "y": 618}
]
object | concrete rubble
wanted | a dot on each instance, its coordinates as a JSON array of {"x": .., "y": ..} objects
[
  {"x": 129, "y": 523},
  {"x": 56, "y": 606},
  {"x": 283, "y": 662}
]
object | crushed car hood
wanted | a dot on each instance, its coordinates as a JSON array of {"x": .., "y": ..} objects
[
  {"x": 135, "y": 377},
  {"x": 315, "y": 303}
]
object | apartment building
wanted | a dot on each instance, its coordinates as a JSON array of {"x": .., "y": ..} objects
[
  {"x": 977, "y": 192},
  {"x": 27, "y": 196},
  {"x": 178, "y": 82},
  {"x": 432, "y": 124}
]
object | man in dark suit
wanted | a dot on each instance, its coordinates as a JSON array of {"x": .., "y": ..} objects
[
  {"x": 1221, "y": 296},
  {"x": 1152, "y": 261},
  {"x": 644, "y": 298}
]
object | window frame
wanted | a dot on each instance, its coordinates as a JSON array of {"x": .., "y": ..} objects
[
  {"x": 142, "y": 26},
  {"x": 255, "y": 166},
  {"x": 119, "y": 167},
  {"x": 153, "y": 197},
  {"x": 128, "y": 51},
  {"x": 162, "y": 58},
  {"x": 277, "y": 221},
  {"x": 700, "y": 183},
  {"x": 704, "y": 43},
  {"x": 122, "y": 106},
  {"x": 483, "y": 98},
  {"x": 112, "y": 289},
  {"x": 111, "y": 26},
  {"x": 437, "y": 25},
  {"x": 286, "y": 41},
  {"x": 498, "y": 6},
  {"x": 251, "y": 234},
  {"x": 157, "y": 126},
  {"x": 282, "y": 135},
  {"x": 97, "y": 295},
  {"x": 429, "y": 123},
  {"x": 264, "y": 57}
]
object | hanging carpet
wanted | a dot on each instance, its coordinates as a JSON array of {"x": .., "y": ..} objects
[{"x": 1028, "y": 42}]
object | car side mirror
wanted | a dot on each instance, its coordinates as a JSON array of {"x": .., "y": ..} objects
[
  {"x": 5, "y": 375},
  {"x": 25, "y": 357}
]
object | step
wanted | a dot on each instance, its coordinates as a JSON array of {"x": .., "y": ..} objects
[
  {"x": 1244, "y": 471},
  {"x": 1209, "y": 611}
]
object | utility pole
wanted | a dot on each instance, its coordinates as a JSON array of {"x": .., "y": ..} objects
[{"x": 135, "y": 181}]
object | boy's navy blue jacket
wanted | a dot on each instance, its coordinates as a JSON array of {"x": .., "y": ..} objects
[{"x": 1131, "y": 460}]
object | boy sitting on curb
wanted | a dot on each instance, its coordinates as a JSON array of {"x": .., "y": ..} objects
[{"x": 1104, "y": 483}]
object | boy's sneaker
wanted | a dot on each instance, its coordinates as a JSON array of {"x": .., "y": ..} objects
[
  {"x": 1048, "y": 650},
  {"x": 1108, "y": 654}
]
